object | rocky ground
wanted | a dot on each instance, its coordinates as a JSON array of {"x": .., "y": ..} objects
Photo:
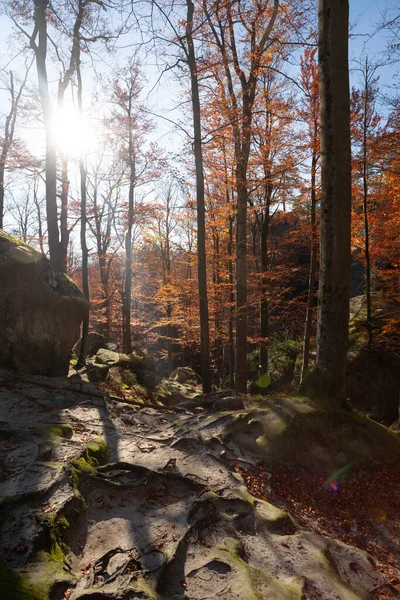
[{"x": 105, "y": 499}]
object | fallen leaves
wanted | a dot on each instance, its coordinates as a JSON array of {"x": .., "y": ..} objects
[
  {"x": 101, "y": 503},
  {"x": 363, "y": 510},
  {"x": 86, "y": 568},
  {"x": 21, "y": 546}
]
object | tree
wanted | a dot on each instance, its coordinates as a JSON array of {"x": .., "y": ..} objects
[
  {"x": 83, "y": 188},
  {"x": 201, "y": 223},
  {"x": 310, "y": 114},
  {"x": 241, "y": 50},
  {"x": 7, "y": 140},
  {"x": 104, "y": 195},
  {"x": 186, "y": 43},
  {"x": 129, "y": 127},
  {"x": 47, "y": 18},
  {"x": 334, "y": 283},
  {"x": 365, "y": 122},
  {"x": 38, "y": 43}
]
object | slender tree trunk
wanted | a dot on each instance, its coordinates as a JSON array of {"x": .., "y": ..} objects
[
  {"x": 365, "y": 211},
  {"x": 201, "y": 219},
  {"x": 241, "y": 282},
  {"x": 333, "y": 310},
  {"x": 127, "y": 338},
  {"x": 51, "y": 155},
  {"x": 264, "y": 304},
  {"x": 2, "y": 169},
  {"x": 231, "y": 342},
  {"x": 64, "y": 213},
  {"x": 312, "y": 273},
  {"x": 84, "y": 248},
  {"x": 39, "y": 216},
  {"x": 170, "y": 361}
]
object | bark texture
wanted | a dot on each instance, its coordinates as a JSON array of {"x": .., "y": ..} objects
[
  {"x": 333, "y": 309},
  {"x": 201, "y": 213}
]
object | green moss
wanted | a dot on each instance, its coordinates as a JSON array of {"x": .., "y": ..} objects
[
  {"x": 314, "y": 435},
  {"x": 17, "y": 242},
  {"x": 55, "y": 556},
  {"x": 76, "y": 484},
  {"x": 62, "y": 430},
  {"x": 68, "y": 278},
  {"x": 95, "y": 454},
  {"x": 252, "y": 583},
  {"x": 15, "y": 586}
]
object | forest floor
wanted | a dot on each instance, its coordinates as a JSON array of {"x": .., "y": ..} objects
[{"x": 275, "y": 499}]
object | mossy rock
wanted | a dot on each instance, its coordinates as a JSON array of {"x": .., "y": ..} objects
[
  {"x": 15, "y": 586},
  {"x": 185, "y": 375},
  {"x": 309, "y": 435},
  {"x": 41, "y": 310},
  {"x": 58, "y": 430}
]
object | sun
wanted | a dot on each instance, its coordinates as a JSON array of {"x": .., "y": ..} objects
[{"x": 73, "y": 135}]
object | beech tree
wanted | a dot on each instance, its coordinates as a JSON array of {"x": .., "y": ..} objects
[
  {"x": 48, "y": 18},
  {"x": 186, "y": 44},
  {"x": 257, "y": 25},
  {"x": 310, "y": 113},
  {"x": 334, "y": 282},
  {"x": 364, "y": 125},
  {"x": 129, "y": 126}
]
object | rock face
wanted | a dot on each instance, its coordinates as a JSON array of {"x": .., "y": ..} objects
[
  {"x": 94, "y": 343},
  {"x": 100, "y": 500},
  {"x": 40, "y": 311}
]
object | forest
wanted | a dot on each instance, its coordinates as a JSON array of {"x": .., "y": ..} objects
[
  {"x": 115, "y": 207},
  {"x": 199, "y": 307}
]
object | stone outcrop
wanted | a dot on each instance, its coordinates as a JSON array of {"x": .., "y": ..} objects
[
  {"x": 41, "y": 310},
  {"x": 95, "y": 341},
  {"x": 103, "y": 500}
]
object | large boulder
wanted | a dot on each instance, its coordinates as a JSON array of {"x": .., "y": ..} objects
[
  {"x": 41, "y": 310},
  {"x": 185, "y": 375}
]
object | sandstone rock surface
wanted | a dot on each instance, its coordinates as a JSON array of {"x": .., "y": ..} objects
[
  {"x": 41, "y": 310},
  {"x": 104, "y": 500}
]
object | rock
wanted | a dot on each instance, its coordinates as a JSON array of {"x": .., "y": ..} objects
[
  {"x": 185, "y": 374},
  {"x": 96, "y": 372},
  {"x": 173, "y": 399},
  {"x": 95, "y": 342},
  {"x": 107, "y": 357},
  {"x": 141, "y": 364},
  {"x": 41, "y": 310},
  {"x": 229, "y": 403},
  {"x": 148, "y": 379}
]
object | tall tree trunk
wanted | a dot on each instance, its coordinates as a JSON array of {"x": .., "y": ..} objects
[
  {"x": 241, "y": 280},
  {"x": 51, "y": 155},
  {"x": 39, "y": 215},
  {"x": 84, "y": 248},
  {"x": 264, "y": 304},
  {"x": 365, "y": 208},
  {"x": 313, "y": 268},
  {"x": 333, "y": 310},
  {"x": 127, "y": 337},
  {"x": 2, "y": 169},
  {"x": 231, "y": 342},
  {"x": 64, "y": 232},
  {"x": 201, "y": 219}
]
